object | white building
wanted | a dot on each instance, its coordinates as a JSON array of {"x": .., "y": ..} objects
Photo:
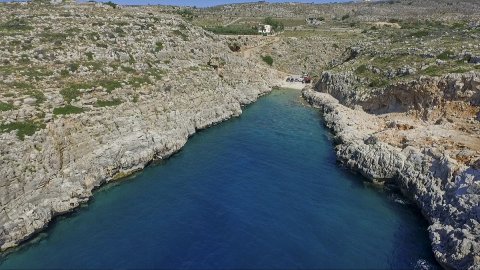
[{"x": 265, "y": 29}]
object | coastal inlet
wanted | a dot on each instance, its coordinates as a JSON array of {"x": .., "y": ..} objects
[{"x": 259, "y": 191}]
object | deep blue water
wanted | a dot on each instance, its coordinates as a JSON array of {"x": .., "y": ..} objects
[{"x": 259, "y": 191}]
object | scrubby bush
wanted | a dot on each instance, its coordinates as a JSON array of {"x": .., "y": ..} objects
[
  {"x": 276, "y": 24},
  {"x": 158, "y": 46},
  {"x": 16, "y": 24},
  {"x": 362, "y": 69},
  {"x": 421, "y": 33},
  {"x": 112, "y": 4},
  {"x": 108, "y": 103},
  {"x": 445, "y": 55},
  {"x": 5, "y": 106},
  {"x": 268, "y": 59},
  {"x": 23, "y": 128},
  {"x": 233, "y": 30},
  {"x": 180, "y": 34},
  {"x": 89, "y": 56},
  {"x": 68, "y": 109}
]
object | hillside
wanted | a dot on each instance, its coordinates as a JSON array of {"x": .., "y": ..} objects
[{"x": 90, "y": 94}]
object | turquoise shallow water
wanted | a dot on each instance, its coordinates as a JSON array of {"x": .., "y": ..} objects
[{"x": 259, "y": 191}]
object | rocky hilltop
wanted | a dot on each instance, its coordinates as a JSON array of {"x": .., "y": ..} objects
[{"x": 91, "y": 93}]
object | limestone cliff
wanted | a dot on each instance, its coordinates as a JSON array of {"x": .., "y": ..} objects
[
  {"x": 423, "y": 137},
  {"x": 127, "y": 87}
]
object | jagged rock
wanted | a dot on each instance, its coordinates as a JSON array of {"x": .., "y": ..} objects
[{"x": 447, "y": 193}]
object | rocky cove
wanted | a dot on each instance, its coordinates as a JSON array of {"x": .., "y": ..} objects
[
  {"x": 240, "y": 194},
  {"x": 106, "y": 90}
]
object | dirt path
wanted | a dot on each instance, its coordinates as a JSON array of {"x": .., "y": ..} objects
[
  {"x": 256, "y": 50},
  {"x": 232, "y": 22}
]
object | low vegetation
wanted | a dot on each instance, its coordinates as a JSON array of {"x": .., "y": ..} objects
[
  {"x": 26, "y": 128},
  {"x": 108, "y": 103},
  {"x": 5, "y": 106},
  {"x": 67, "y": 109},
  {"x": 180, "y": 34},
  {"x": 16, "y": 24},
  {"x": 276, "y": 24},
  {"x": 233, "y": 30},
  {"x": 268, "y": 59}
]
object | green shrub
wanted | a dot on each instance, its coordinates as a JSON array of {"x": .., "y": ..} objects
[
  {"x": 24, "y": 59},
  {"x": 93, "y": 36},
  {"x": 446, "y": 55},
  {"x": 72, "y": 92},
  {"x": 38, "y": 95},
  {"x": 276, "y": 24},
  {"x": 433, "y": 71},
  {"x": 36, "y": 72},
  {"x": 139, "y": 81},
  {"x": 89, "y": 56},
  {"x": 21, "y": 85},
  {"x": 102, "y": 45},
  {"x": 52, "y": 37},
  {"x": 158, "y": 46},
  {"x": 73, "y": 67},
  {"x": 156, "y": 73},
  {"x": 378, "y": 83},
  {"x": 64, "y": 72},
  {"x": 135, "y": 99},
  {"x": 186, "y": 14},
  {"x": 460, "y": 70},
  {"x": 346, "y": 16},
  {"x": 268, "y": 59},
  {"x": 108, "y": 103},
  {"x": 112, "y": 4},
  {"x": 16, "y": 24},
  {"x": 232, "y": 30},
  {"x": 361, "y": 69},
  {"x": 67, "y": 109},
  {"x": 180, "y": 34},
  {"x": 110, "y": 85},
  {"x": 93, "y": 65},
  {"x": 119, "y": 30},
  {"x": 127, "y": 69},
  {"x": 23, "y": 128},
  {"x": 420, "y": 33},
  {"x": 5, "y": 106}
]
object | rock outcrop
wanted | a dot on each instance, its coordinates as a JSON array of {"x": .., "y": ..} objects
[{"x": 446, "y": 191}]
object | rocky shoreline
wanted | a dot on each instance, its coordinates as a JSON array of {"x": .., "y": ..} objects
[
  {"x": 446, "y": 192},
  {"x": 102, "y": 105},
  {"x": 136, "y": 138}
]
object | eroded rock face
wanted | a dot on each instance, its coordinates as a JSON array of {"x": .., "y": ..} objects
[
  {"x": 422, "y": 95},
  {"x": 446, "y": 191},
  {"x": 56, "y": 169}
]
